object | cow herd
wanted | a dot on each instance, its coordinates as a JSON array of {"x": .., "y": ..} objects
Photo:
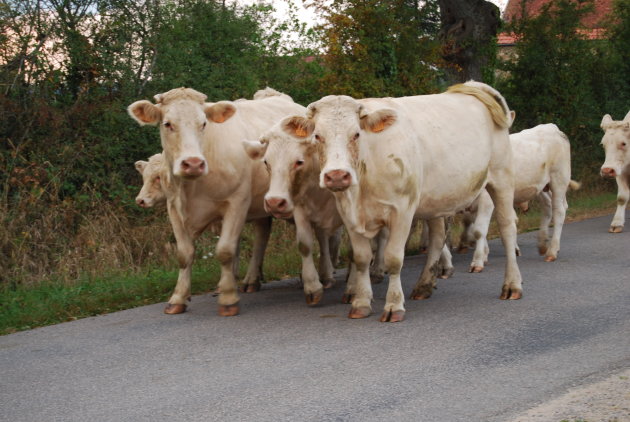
[{"x": 373, "y": 166}]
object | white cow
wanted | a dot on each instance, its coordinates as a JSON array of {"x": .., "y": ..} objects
[
  {"x": 155, "y": 185},
  {"x": 294, "y": 192},
  {"x": 616, "y": 142},
  {"x": 213, "y": 179},
  {"x": 390, "y": 159},
  {"x": 541, "y": 158}
]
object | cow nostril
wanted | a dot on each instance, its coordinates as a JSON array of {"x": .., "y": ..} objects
[{"x": 282, "y": 204}]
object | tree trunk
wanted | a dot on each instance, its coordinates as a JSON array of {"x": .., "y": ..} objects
[{"x": 467, "y": 33}]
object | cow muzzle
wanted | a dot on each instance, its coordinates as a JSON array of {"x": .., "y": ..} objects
[
  {"x": 144, "y": 203},
  {"x": 278, "y": 207},
  {"x": 608, "y": 172},
  {"x": 193, "y": 167},
  {"x": 337, "y": 180}
]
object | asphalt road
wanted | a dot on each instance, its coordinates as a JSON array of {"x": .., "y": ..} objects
[{"x": 462, "y": 355}]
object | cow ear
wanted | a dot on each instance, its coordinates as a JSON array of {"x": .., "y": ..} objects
[
  {"x": 220, "y": 112},
  {"x": 378, "y": 121},
  {"x": 255, "y": 149},
  {"x": 298, "y": 126},
  {"x": 141, "y": 165},
  {"x": 627, "y": 118},
  {"x": 606, "y": 121},
  {"x": 512, "y": 116},
  {"x": 145, "y": 112}
]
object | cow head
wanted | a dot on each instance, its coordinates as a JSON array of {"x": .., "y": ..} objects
[
  {"x": 153, "y": 173},
  {"x": 182, "y": 115},
  {"x": 616, "y": 142},
  {"x": 292, "y": 164},
  {"x": 337, "y": 124}
]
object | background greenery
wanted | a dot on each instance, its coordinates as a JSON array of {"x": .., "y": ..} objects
[{"x": 69, "y": 68}]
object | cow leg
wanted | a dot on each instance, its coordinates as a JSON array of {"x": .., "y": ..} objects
[
  {"x": 485, "y": 208},
  {"x": 424, "y": 237},
  {"x": 185, "y": 254},
  {"x": 394, "y": 256},
  {"x": 623, "y": 193},
  {"x": 359, "y": 289},
  {"x": 446, "y": 269},
  {"x": 427, "y": 281},
  {"x": 559, "y": 210},
  {"x": 502, "y": 194},
  {"x": 254, "y": 277},
  {"x": 313, "y": 289},
  {"x": 334, "y": 243},
  {"x": 325, "y": 260},
  {"x": 377, "y": 268},
  {"x": 545, "y": 220},
  {"x": 233, "y": 222},
  {"x": 467, "y": 238}
]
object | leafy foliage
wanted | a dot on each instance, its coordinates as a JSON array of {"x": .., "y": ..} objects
[{"x": 561, "y": 76}]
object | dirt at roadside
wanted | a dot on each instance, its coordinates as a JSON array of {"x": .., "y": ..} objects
[{"x": 603, "y": 401}]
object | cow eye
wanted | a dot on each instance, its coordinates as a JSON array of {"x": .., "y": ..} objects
[
  {"x": 318, "y": 138},
  {"x": 157, "y": 179},
  {"x": 299, "y": 163},
  {"x": 168, "y": 125},
  {"x": 203, "y": 126},
  {"x": 356, "y": 136}
]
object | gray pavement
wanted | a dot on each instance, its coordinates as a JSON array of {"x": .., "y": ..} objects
[{"x": 462, "y": 355}]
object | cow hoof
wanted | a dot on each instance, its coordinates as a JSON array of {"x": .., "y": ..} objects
[
  {"x": 518, "y": 252},
  {"x": 475, "y": 269},
  {"x": 228, "y": 310},
  {"x": 347, "y": 298},
  {"x": 446, "y": 273},
  {"x": 216, "y": 292},
  {"x": 542, "y": 250},
  {"x": 328, "y": 283},
  {"x": 615, "y": 229},
  {"x": 462, "y": 249},
  {"x": 250, "y": 288},
  {"x": 358, "y": 313},
  {"x": 550, "y": 258},
  {"x": 511, "y": 294},
  {"x": 421, "y": 293},
  {"x": 395, "y": 316},
  {"x": 314, "y": 298},
  {"x": 175, "y": 308}
]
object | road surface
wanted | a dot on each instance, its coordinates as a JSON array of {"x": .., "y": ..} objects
[{"x": 463, "y": 355}]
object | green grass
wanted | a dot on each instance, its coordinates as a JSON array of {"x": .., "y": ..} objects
[{"x": 26, "y": 306}]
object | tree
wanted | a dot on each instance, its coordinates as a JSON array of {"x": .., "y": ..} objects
[
  {"x": 468, "y": 32},
  {"x": 378, "y": 48}
]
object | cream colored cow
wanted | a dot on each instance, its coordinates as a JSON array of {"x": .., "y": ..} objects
[
  {"x": 542, "y": 169},
  {"x": 213, "y": 180},
  {"x": 155, "y": 184},
  {"x": 389, "y": 160},
  {"x": 294, "y": 192},
  {"x": 616, "y": 142}
]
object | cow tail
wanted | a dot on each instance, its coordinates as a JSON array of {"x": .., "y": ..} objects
[{"x": 490, "y": 97}]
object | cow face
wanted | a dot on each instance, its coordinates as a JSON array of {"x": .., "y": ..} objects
[
  {"x": 616, "y": 142},
  {"x": 152, "y": 171},
  {"x": 183, "y": 117},
  {"x": 337, "y": 124},
  {"x": 292, "y": 166}
]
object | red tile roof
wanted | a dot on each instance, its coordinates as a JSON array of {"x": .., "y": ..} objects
[{"x": 593, "y": 20}]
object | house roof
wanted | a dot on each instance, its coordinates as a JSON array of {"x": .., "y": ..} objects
[{"x": 592, "y": 20}]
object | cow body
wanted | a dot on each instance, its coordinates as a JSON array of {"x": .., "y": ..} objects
[
  {"x": 542, "y": 169},
  {"x": 616, "y": 142},
  {"x": 392, "y": 159},
  {"x": 212, "y": 179}
]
